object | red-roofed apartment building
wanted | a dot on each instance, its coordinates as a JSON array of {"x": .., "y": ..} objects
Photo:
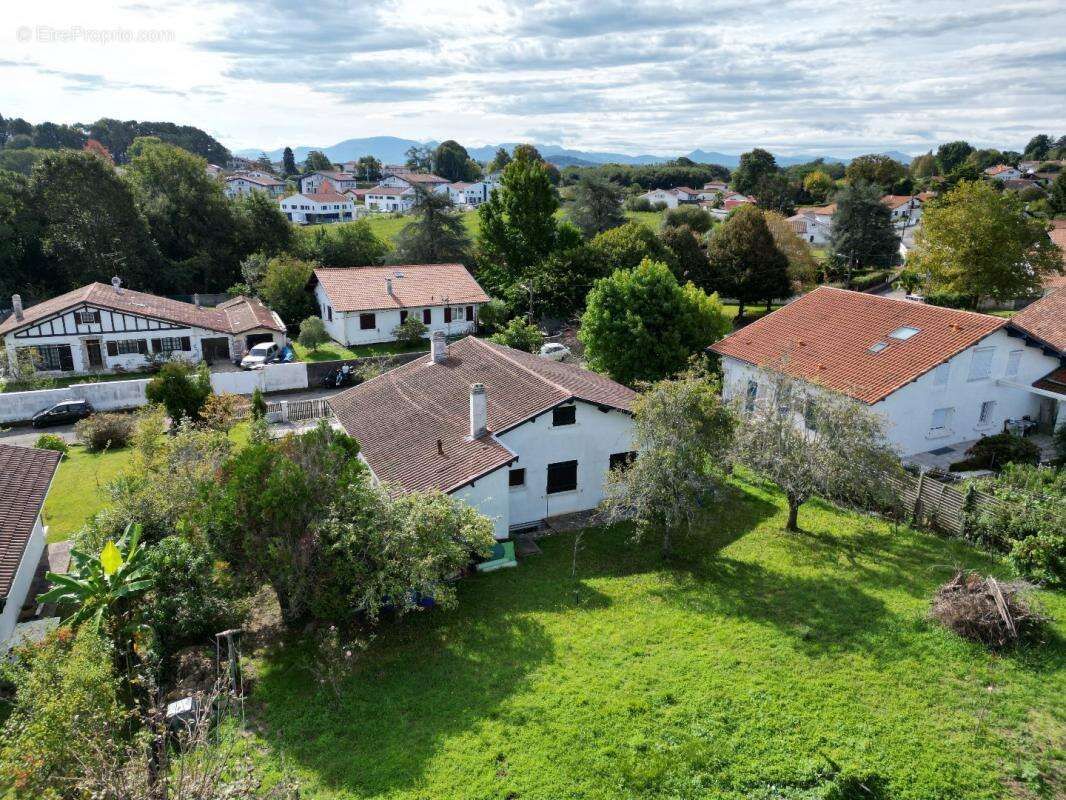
[
  {"x": 364, "y": 305},
  {"x": 519, "y": 437},
  {"x": 324, "y": 205},
  {"x": 939, "y": 377}
]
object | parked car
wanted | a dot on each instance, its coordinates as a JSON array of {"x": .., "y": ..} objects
[
  {"x": 260, "y": 354},
  {"x": 554, "y": 351},
  {"x": 62, "y": 413}
]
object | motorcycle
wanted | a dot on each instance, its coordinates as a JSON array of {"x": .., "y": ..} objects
[{"x": 340, "y": 376}]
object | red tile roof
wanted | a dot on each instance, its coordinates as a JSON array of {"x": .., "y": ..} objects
[
  {"x": 413, "y": 285},
  {"x": 390, "y": 191},
  {"x": 825, "y": 337},
  {"x": 1045, "y": 319},
  {"x": 247, "y": 313},
  {"x": 262, "y": 181},
  {"x": 398, "y": 417},
  {"x": 894, "y": 201},
  {"x": 419, "y": 177},
  {"x": 997, "y": 169},
  {"x": 1054, "y": 381},
  {"x": 146, "y": 305},
  {"x": 25, "y": 475}
]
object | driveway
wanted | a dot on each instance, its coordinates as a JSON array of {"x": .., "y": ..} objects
[{"x": 25, "y": 436}]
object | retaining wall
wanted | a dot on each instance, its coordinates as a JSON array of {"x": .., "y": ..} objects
[
  {"x": 271, "y": 378},
  {"x": 104, "y": 396}
]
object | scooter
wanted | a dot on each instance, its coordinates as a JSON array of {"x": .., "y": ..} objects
[{"x": 343, "y": 375}]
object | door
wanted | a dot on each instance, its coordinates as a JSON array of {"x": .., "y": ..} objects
[
  {"x": 96, "y": 358},
  {"x": 216, "y": 349}
]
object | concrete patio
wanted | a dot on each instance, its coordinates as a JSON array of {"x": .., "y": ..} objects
[{"x": 942, "y": 458}]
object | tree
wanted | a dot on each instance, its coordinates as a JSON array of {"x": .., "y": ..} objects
[
  {"x": 317, "y": 160},
  {"x": 261, "y": 226},
  {"x": 753, "y": 167},
  {"x": 411, "y": 331},
  {"x": 93, "y": 147},
  {"x": 626, "y": 246},
  {"x": 745, "y": 263},
  {"x": 180, "y": 388},
  {"x": 863, "y": 235},
  {"x": 1057, "y": 194},
  {"x": 1038, "y": 147},
  {"x": 436, "y": 235},
  {"x": 979, "y": 243},
  {"x": 88, "y": 225},
  {"x": 840, "y": 452},
  {"x": 353, "y": 244},
  {"x": 368, "y": 169},
  {"x": 452, "y": 161},
  {"x": 313, "y": 333},
  {"x": 419, "y": 159},
  {"x": 923, "y": 166},
  {"x": 597, "y": 206},
  {"x": 500, "y": 160},
  {"x": 802, "y": 265},
  {"x": 284, "y": 288},
  {"x": 951, "y": 155},
  {"x": 288, "y": 162},
  {"x": 642, "y": 325},
  {"x": 691, "y": 216},
  {"x": 21, "y": 268},
  {"x": 526, "y": 152},
  {"x": 681, "y": 435},
  {"x": 690, "y": 259},
  {"x": 875, "y": 168},
  {"x": 518, "y": 227},
  {"x": 492, "y": 316},
  {"x": 774, "y": 193},
  {"x": 520, "y": 335},
  {"x": 818, "y": 185}
]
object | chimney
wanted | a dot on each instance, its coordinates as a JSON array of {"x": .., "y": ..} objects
[
  {"x": 479, "y": 411},
  {"x": 438, "y": 347},
  {"x": 196, "y": 299},
  {"x": 16, "y": 303},
  {"x": 117, "y": 283},
  {"x": 388, "y": 286}
]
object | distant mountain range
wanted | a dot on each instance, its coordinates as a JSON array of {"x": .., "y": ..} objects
[{"x": 392, "y": 149}]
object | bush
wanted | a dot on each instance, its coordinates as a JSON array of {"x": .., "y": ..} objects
[
  {"x": 987, "y": 611},
  {"x": 492, "y": 316},
  {"x": 410, "y": 331},
  {"x": 49, "y": 441},
  {"x": 951, "y": 300},
  {"x": 693, "y": 216},
  {"x": 995, "y": 452},
  {"x": 520, "y": 335},
  {"x": 875, "y": 278},
  {"x": 221, "y": 412},
  {"x": 259, "y": 405},
  {"x": 313, "y": 333},
  {"x": 638, "y": 203},
  {"x": 105, "y": 431},
  {"x": 181, "y": 388}
]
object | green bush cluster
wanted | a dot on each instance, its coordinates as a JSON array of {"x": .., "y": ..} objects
[
  {"x": 105, "y": 431},
  {"x": 50, "y": 441},
  {"x": 995, "y": 452}
]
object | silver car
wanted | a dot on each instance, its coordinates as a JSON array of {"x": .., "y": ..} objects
[
  {"x": 260, "y": 354},
  {"x": 554, "y": 351}
]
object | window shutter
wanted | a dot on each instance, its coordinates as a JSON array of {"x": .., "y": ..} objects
[
  {"x": 186, "y": 343},
  {"x": 142, "y": 347},
  {"x": 157, "y": 345},
  {"x": 447, "y": 314},
  {"x": 66, "y": 360},
  {"x": 112, "y": 348},
  {"x": 403, "y": 316}
]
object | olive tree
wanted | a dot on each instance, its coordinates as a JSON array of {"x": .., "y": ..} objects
[
  {"x": 815, "y": 443},
  {"x": 682, "y": 434}
]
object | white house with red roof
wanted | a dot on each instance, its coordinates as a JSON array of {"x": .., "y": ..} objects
[
  {"x": 939, "y": 377},
  {"x": 408, "y": 179},
  {"x": 520, "y": 438},
  {"x": 1003, "y": 172},
  {"x": 400, "y": 199},
  {"x": 313, "y": 182},
  {"x": 364, "y": 305},
  {"x": 325, "y": 205},
  {"x": 100, "y": 328},
  {"x": 469, "y": 195},
  {"x": 246, "y": 183}
]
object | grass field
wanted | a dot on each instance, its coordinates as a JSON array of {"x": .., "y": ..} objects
[
  {"x": 78, "y": 489},
  {"x": 743, "y": 668},
  {"x": 333, "y": 351},
  {"x": 757, "y": 310}
]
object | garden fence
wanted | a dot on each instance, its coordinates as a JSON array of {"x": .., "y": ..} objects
[
  {"x": 938, "y": 505},
  {"x": 298, "y": 410}
]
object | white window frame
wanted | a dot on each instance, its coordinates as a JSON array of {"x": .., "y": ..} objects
[
  {"x": 980, "y": 353},
  {"x": 948, "y": 412},
  {"x": 1014, "y": 362}
]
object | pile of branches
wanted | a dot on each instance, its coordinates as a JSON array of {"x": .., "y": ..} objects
[{"x": 994, "y": 613}]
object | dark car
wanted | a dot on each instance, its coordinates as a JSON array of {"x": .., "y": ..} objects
[{"x": 62, "y": 413}]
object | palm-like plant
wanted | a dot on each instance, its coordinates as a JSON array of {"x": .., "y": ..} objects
[{"x": 101, "y": 588}]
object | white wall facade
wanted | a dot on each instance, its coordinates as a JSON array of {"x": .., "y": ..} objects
[
  {"x": 237, "y": 187},
  {"x": 909, "y": 411},
  {"x": 661, "y": 196},
  {"x": 390, "y": 201},
  {"x": 304, "y": 209},
  {"x": 489, "y": 495},
  {"x": 310, "y": 184},
  {"x": 346, "y": 326},
  {"x": 20, "y": 585}
]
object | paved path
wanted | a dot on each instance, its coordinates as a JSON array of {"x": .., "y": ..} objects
[{"x": 26, "y": 436}]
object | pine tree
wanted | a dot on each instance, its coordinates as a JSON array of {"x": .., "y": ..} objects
[
  {"x": 437, "y": 235},
  {"x": 745, "y": 262},
  {"x": 288, "y": 161},
  {"x": 863, "y": 235}
]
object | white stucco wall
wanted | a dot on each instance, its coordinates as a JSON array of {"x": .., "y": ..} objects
[
  {"x": 489, "y": 495},
  {"x": 21, "y": 584},
  {"x": 344, "y": 327}
]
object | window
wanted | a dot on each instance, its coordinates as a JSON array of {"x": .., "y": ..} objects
[
  {"x": 367, "y": 322},
  {"x": 86, "y": 317},
  {"x": 987, "y": 407},
  {"x": 469, "y": 313},
  {"x": 622, "y": 460},
  {"x": 427, "y": 316},
  {"x": 123, "y": 347},
  {"x": 942, "y": 418},
  {"x": 981, "y": 365},
  {"x": 52, "y": 357},
  {"x": 562, "y": 477},
  {"x": 564, "y": 415},
  {"x": 810, "y": 414},
  {"x": 1014, "y": 359},
  {"x": 171, "y": 344},
  {"x": 749, "y": 399},
  {"x": 877, "y": 348},
  {"x": 941, "y": 375},
  {"x": 516, "y": 477},
  {"x": 403, "y": 316},
  {"x": 904, "y": 333},
  {"x": 329, "y": 313},
  {"x": 447, "y": 314}
]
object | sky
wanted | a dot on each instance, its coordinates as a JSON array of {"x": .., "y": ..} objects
[{"x": 629, "y": 76}]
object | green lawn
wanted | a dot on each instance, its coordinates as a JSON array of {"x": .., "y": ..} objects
[
  {"x": 737, "y": 670},
  {"x": 652, "y": 219},
  {"x": 757, "y": 310},
  {"x": 333, "y": 351},
  {"x": 78, "y": 489}
]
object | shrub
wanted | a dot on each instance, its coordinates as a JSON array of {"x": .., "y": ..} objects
[
  {"x": 221, "y": 412},
  {"x": 105, "y": 431},
  {"x": 863, "y": 282},
  {"x": 410, "y": 331},
  {"x": 951, "y": 300},
  {"x": 987, "y": 611},
  {"x": 693, "y": 216},
  {"x": 492, "y": 316},
  {"x": 49, "y": 441},
  {"x": 181, "y": 388},
  {"x": 520, "y": 335},
  {"x": 995, "y": 452},
  {"x": 638, "y": 203},
  {"x": 313, "y": 333},
  {"x": 658, "y": 206},
  {"x": 259, "y": 406}
]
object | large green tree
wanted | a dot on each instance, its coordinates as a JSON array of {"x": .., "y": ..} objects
[
  {"x": 452, "y": 161},
  {"x": 875, "y": 168},
  {"x": 753, "y": 167},
  {"x": 288, "y": 162},
  {"x": 597, "y": 206},
  {"x": 518, "y": 226},
  {"x": 284, "y": 288},
  {"x": 773, "y": 192},
  {"x": 744, "y": 260},
  {"x": 980, "y": 243},
  {"x": 317, "y": 160},
  {"x": 690, "y": 258},
  {"x": 261, "y": 226},
  {"x": 627, "y": 245},
  {"x": 1038, "y": 147},
  {"x": 436, "y": 235},
  {"x": 951, "y": 154},
  {"x": 368, "y": 169},
  {"x": 1057, "y": 195},
  {"x": 642, "y": 325},
  {"x": 863, "y": 235},
  {"x": 21, "y": 270}
]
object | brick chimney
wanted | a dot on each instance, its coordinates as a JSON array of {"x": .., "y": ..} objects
[
  {"x": 16, "y": 304},
  {"x": 479, "y": 411},
  {"x": 438, "y": 347}
]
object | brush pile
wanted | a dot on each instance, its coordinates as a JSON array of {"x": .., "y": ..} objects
[{"x": 994, "y": 613}]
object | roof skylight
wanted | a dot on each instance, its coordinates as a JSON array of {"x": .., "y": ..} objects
[
  {"x": 904, "y": 333},
  {"x": 877, "y": 348}
]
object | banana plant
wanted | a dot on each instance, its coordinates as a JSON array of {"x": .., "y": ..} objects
[{"x": 100, "y": 588}]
